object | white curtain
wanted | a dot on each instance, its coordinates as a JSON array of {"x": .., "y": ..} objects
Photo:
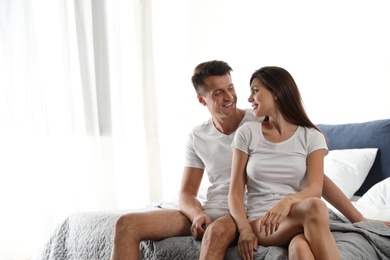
[{"x": 77, "y": 113}]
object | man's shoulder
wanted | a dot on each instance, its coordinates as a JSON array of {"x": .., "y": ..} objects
[
  {"x": 202, "y": 126},
  {"x": 250, "y": 117}
]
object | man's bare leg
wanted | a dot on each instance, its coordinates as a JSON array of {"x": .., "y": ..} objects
[
  {"x": 133, "y": 228},
  {"x": 217, "y": 238}
]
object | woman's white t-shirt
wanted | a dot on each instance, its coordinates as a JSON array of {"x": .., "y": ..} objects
[{"x": 275, "y": 170}]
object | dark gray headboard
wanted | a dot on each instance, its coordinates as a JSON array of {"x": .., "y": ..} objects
[{"x": 372, "y": 134}]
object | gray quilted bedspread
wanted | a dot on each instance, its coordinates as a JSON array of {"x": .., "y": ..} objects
[{"x": 89, "y": 235}]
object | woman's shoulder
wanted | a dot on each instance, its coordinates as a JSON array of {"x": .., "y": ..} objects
[
  {"x": 251, "y": 124},
  {"x": 311, "y": 131},
  {"x": 312, "y": 134},
  {"x": 248, "y": 129}
]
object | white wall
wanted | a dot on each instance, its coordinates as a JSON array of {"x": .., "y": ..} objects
[{"x": 337, "y": 51}]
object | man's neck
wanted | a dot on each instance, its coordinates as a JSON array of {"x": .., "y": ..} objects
[{"x": 228, "y": 125}]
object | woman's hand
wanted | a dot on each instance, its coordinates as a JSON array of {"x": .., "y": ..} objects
[
  {"x": 247, "y": 244},
  {"x": 271, "y": 220}
]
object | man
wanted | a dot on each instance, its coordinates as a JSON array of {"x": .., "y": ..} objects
[{"x": 208, "y": 147}]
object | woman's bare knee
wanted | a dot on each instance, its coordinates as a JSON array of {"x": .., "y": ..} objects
[
  {"x": 299, "y": 248},
  {"x": 316, "y": 210}
]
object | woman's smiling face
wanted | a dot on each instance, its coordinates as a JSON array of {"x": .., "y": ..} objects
[{"x": 262, "y": 99}]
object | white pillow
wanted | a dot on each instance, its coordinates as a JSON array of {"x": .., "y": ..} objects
[
  {"x": 348, "y": 168},
  {"x": 377, "y": 194}
]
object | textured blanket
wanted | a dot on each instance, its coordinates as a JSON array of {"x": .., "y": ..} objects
[{"x": 90, "y": 236}]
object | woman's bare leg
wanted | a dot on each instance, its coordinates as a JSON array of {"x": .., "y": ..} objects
[
  {"x": 316, "y": 230},
  {"x": 309, "y": 217},
  {"x": 299, "y": 249}
]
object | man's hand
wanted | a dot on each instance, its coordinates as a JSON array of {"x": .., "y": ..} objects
[
  {"x": 199, "y": 225},
  {"x": 247, "y": 244}
]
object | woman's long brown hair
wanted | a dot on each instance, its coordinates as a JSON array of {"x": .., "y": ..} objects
[{"x": 280, "y": 82}]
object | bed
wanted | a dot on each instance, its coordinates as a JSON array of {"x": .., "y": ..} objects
[{"x": 358, "y": 162}]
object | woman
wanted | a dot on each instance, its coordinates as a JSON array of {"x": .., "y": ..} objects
[{"x": 281, "y": 163}]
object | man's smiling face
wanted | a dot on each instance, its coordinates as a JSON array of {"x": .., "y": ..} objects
[{"x": 219, "y": 96}]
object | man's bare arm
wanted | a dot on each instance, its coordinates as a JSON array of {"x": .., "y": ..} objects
[
  {"x": 337, "y": 198},
  {"x": 189, "y": 204}
]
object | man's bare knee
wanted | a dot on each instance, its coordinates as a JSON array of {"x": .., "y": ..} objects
[
  {"x": 217, "y": 238},
  {"x": 222, "y": 232},
  {"x": 126, "y": 227},
  {"x": 216, "y": 232}
]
